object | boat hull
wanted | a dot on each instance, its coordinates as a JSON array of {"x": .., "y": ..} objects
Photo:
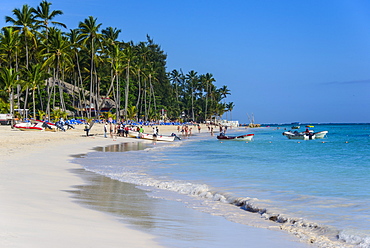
[
  {"x": 321, "y": 135},
  {"x": 246, "y": 137},
  {"x": 149, "y": 136}
]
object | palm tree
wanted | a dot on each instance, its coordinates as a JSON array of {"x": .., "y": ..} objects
[
  {"x": 192, "y": 78},
  {"x": 230, "y": 106},
  {"x": 128, "y": 56},
  {"x": 43, "y": 12},
  {"x": 75, "y": 39},
  {"x": 8, "y": 80},
  {"x": 110, "y": 35},
  {"x": 176, "y": 77},
  {"x": 207, "y": 80},
  {"x": 35, "y": 76},
  {"x": 9, "y": 42},
  {"x": 24, "y": 21},
  {"x": 131, "y": 112},
  {"x": 224, "y": 91},
  {"x": 59, "y": 48},
  {"x": 89, "y": 30}
]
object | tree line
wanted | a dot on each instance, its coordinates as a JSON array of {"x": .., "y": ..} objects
[{"x": 38, "y": 60}]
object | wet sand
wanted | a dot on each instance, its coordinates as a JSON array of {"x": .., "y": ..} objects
[{"x": 49, "y": 201}]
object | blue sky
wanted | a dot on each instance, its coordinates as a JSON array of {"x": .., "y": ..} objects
[{"x": 284, "y": 61}]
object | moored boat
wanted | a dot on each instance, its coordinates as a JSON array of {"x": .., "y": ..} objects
[
  {"x": 299, "y": 135},
  {"x": 306, "y": 135},
  {"x": 320, "y": 135},
  {"x": 156, "y": 137},
  {"x": 246, "y": 137}
]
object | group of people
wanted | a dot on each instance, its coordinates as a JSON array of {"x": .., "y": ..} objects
[
  {"x": 185, "y": 130},
  {"x": 120, "y": 129}
]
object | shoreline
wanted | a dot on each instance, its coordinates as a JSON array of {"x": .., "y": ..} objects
[
  {"x": 37, "y": 210},
  {"x": 37, "y": 176}
]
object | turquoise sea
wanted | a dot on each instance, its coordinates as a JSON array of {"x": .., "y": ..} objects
[{"x": 317, "y": 190}]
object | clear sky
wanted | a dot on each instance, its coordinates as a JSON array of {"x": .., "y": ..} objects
[{"x": 284, "y": 61}]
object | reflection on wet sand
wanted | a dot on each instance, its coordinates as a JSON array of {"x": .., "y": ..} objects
[
  {"x": 115, "y": 197},
  {"x": 123, "y": 147}
]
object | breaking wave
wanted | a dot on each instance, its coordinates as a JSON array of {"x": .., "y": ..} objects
[{"x": 320, "y": 236}]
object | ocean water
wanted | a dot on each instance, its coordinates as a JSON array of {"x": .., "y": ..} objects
[{"x": 317, "y": 190}]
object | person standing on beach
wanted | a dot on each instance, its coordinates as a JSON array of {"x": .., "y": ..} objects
[
  {"x": 198, "y": 128},
  {"x": 111, "y": 129},
  {"x": 105, "y": 129}
]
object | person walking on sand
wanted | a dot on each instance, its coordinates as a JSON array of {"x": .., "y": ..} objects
[{"x": 198, "y": 128}]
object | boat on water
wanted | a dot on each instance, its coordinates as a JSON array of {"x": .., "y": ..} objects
[
  {"x": 245, "y": 137},
  {"x": 320, "y": 135},
  {"x": 135, "y": 134},
  {"x": 156, "y": 137},
  {"x": 296, "y": 125},
  {"x": 306, "y": 135}
]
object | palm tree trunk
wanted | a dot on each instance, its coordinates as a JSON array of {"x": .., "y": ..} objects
[
  {"x": 34, "y": 104},
  {"x": 25, "y": 103},
  {"x": 118, "y": 98},
  {"x": 127, "y": 87}
]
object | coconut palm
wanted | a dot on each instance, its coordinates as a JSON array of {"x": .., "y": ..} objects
[
  {"x": 131, "y": 113},
  {"x": 193, "y": 79},
  {"x": 129, "y": 56},
  {"x": 43, "y": 12},
  {"x": 176, "y": 77},
  {"x": 35, "y": 77},
  {"x": 89, "y": 29},
  {"x": 110, "y": 35},
  {"x": 224, "y": 91},
  {"x": 8, "y": 80},
  {"x": 75, "y": 39},
  {"x": 25, "y": 21},
  {"x": 59, "y": 48},
  {"x": 9, "y": 45},
  {"x": 229, "y": 107},
  {"x": 207, "y": 80}
]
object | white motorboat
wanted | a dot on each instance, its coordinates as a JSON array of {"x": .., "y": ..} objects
[
  {"x": 310, "y": 135},
  {"x": 156, "y": 137},
  {"x": 148, "y": 136},
  {"x": 134, "y": 134},
  {"x": 245, "y": 137},
  {"x": 320, "y": 135},
  {"x": 299, "y": 135}
]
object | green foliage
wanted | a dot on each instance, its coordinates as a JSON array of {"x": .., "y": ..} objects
[{"x": 78, "y": 69}]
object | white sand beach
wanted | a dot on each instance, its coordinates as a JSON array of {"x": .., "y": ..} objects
[{"x": 37, "y": 211}]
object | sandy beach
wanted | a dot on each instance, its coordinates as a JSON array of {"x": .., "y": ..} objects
[
  {"x": 37, "y": 177},
  {"x": 36, "y": 210}
]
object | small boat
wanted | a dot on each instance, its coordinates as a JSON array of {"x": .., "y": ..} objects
[
  {"x": 296, "y": 125},
  {"x": 246, "y": 137},
  {"x": 148, "y": 136},
  {"x": 320, "y": 135},
  {"x": 35, "y": 125},
  {"x": 134, "y": 134},
  {"x": 299, "y": 135},
  {"x": 310, "y": 135}
]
